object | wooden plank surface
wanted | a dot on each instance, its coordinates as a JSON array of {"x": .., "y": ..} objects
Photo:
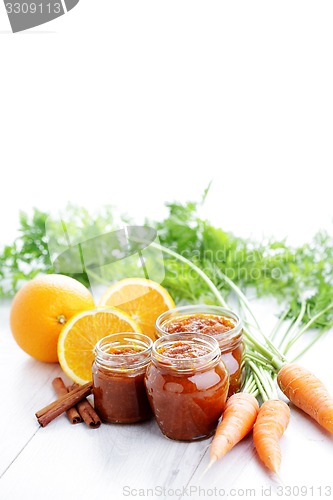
[{"x": 128, "y": 461}]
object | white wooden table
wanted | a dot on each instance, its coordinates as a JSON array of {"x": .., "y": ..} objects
[{"x": 64, "y": 462}]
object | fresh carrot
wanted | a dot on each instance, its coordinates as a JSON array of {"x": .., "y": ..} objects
[
  {"x": 308, "y": 393},
  {"x": 238, "y": 419},
  {"x": 272, "y": 421}
]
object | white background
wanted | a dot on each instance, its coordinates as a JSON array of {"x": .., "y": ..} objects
[
  {"x": 134, "y": 103},
  {"x": 137, "y": 102}
]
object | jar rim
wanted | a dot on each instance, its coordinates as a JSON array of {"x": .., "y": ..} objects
[
  {"x": 187, "y": 363},
  {"x": 116, "y": 340},
  {"x": 233, "y": 335}
]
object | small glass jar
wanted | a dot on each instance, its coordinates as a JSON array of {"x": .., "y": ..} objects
[
  {"x": 118, "y": 372},
  {"x": 224, "y": 325},
  {"x": 187, "y": 385}
]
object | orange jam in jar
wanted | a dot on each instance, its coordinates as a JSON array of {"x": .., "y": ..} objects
[
  {"x": 118, "y": 371},
  {"x": 187, "y": 385},
  {"x": 224, "y": 325}
]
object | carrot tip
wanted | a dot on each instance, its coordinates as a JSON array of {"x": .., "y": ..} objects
[
  {"x": 211, "y": 463},
  {"x": 279, "y": 478}
]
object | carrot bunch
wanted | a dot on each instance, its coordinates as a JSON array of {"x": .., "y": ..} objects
[
  {"x": 242, "y": 414},
  {"x": 264, "y": 365}
]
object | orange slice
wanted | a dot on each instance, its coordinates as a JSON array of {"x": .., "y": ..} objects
[
  {"x": 80, "y": 335},
  {"x": 144, "y": 300}
]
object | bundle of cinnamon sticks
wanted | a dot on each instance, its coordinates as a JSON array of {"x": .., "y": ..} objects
[{"x": 72, "y": 400}]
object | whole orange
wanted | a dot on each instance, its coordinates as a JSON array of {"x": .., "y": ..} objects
[{"x": 41, "y": 308}]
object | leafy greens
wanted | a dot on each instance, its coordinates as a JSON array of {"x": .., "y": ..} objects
[{"x": 264, "y": 268}]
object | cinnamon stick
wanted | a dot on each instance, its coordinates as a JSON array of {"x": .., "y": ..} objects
[
  {"x": 60, "y": 390},
  {"x": 64, "y": 403},
  {"x": 87, "y": 412}
]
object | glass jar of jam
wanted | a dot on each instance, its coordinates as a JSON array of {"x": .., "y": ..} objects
[
  {"x": 224, "y": 325},
  {"x": 118, "y": 372},
  {"x": 187, "y": 385}
]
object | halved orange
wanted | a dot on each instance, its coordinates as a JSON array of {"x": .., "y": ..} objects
[
  {"x": 144, "y": 300},
  {"x": 80, "y": 335}
]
